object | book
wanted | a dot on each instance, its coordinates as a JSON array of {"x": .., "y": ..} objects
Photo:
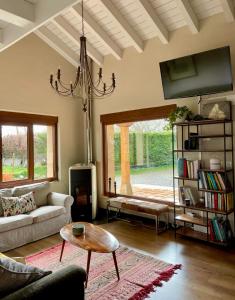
[
  {"x": 185, "y": 169},
  {"x": 217, "y": 229},
  {"x": 188, "y": 168},
  {"x": 196, "y": 164},
  {"x": 215, "y": 201},
  {"x": 180, "y": 167},
  {"x": 217, "y": 182},
  {"x": 213, "y": 182},
  {"x": 221, "y": 180},
  {"x": 211, "y": 231},
  {"x": 210, "y": 185},
  {"x": 205, "y": 180}
]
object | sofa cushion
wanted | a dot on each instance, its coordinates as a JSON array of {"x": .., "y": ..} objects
[
  {"x": 13, "y": 222},
  {"x": 14, "y": 275},
  {"x": 40, "y": 192},
  {"x": 46, "y": 212},
  {"x": 18, "y": 205},
  {"x": 4, "y": 193}
]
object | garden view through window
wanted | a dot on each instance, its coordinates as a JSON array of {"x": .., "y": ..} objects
[
  {"x": 28, "y": 147},
  {"x": 140, "y": 159},
  {"x": 15, "y": 152}
]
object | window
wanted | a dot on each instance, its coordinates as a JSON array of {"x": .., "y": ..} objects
[
  {"x": 138, "y": 153},
  {"x": 28, "y": 147}
]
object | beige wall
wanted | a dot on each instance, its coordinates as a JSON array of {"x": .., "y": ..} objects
[
  {"x": 138, "y": 75},
  {"x": 24, "y": 87}
]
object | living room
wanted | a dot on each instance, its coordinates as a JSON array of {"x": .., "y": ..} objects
[{"x": 130, "y": 39}]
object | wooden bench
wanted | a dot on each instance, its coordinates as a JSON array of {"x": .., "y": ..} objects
[{"x": 142, "y": 206}]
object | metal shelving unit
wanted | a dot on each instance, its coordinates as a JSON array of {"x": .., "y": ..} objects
[{"x": 184, "y": 219}]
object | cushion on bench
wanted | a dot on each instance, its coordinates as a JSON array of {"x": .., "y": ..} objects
[{"x": 139, "y": 205}]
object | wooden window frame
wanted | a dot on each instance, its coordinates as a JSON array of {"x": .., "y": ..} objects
[
  {"x": 28, "y": 120},
  {"x": 145, "y": 114}
]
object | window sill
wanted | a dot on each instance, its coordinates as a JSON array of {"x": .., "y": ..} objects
[{"x": 11, "y": 184}]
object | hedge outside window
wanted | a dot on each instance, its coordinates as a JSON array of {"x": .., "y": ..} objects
[
  {"x": 28, "y": 147},
  {"x": 137, "y": 154}
]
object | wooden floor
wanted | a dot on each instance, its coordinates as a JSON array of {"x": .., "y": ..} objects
[{"x": 207, "y": 273}]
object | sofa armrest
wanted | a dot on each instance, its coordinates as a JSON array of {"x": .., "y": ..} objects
[
  {"x": 58, "y": 285},
  {"x": 60, "y": 200}
]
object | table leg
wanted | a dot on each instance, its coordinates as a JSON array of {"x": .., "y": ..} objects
[
  {"x": 88, "y": 266},
  {"x": 116, "y": 266},
  {"x": 62, "y": 250}
]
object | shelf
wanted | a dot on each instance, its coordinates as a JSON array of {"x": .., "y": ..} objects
[
  {"x": 185, "y": 178},
  {"x": 222, "y": 131},
  {"x": 189, "y": 232},
  {"x": 203, "y": 208},
  {"x": 202, "y": 122},
  {"x": 184, "y": 150},
  {"x": 210, "y": 136},
  {"x": 193, "y": 220},
  {"x": 216, "y": 191},
  {"x": 220, "y": 170}
]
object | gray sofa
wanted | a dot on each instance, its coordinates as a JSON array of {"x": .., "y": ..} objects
[
  {"x": 52, "y": 213},
  {"x": 67, "y": 283}
]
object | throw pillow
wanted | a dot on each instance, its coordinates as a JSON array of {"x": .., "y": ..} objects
[
  {"x": 18, "y": 205},
  {"x": 4, "y": 193},
  {"x": 14, "y": 275}
]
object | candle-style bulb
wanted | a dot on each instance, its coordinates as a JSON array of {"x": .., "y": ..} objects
[
  {"x": 58, "y": 74},
  {"x": 100, "y": 72},
  {"x": 51, "y": 79}
]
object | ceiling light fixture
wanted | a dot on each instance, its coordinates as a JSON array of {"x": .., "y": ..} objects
[{"x": 83, "y": 86}]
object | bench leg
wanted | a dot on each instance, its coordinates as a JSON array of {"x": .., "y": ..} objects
[
  {"x": 157, "y": 224},
  {"x": 108, "y": 212},
  {"x": 167, "y": 217}
]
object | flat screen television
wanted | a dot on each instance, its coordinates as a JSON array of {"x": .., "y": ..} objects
[{"x": 199, "y": 74}]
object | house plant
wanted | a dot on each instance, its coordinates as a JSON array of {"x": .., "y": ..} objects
[{"x": 180, "y": 114}]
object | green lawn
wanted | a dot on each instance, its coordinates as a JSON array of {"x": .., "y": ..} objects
[{"x": 22, "y": 172}]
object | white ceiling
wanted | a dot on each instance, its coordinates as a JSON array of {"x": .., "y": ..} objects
[{"x": 113, "y": 25}]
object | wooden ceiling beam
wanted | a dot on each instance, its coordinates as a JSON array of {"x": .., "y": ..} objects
[
  {"x": 160, "y": 28},
  {"x": 73, "y": 34},
  {"x": 97, "y": 30},
  {"x": 58, "y": 45},
  {"x": 189, "y": 15},
  {"x": 17, "y": 12},
  {"x": 137, "y": 42},
  {"x": 228, "y": 9},
  {"x": 44, "y": 12}
]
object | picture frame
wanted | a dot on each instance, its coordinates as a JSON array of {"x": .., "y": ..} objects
[{"x": 216, "y": 110}]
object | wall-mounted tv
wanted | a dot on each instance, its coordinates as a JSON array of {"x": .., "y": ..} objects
[{"x": 199, "y": 74}]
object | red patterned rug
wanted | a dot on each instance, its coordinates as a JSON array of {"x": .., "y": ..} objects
[{"x": 139, "y": 273}]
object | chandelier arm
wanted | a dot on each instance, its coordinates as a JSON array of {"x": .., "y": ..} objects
[
  {"x": 62, "y": 84},
  {"x": 64, "y": 93}
]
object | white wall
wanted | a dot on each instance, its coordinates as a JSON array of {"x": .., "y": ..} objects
[
  {"x": 24, "y": 87},
  {"x": 138, "y": 75}
]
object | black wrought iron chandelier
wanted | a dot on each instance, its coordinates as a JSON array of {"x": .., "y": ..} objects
[{"x": 83, "y": 86}]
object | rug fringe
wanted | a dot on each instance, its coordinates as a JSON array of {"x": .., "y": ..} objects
[{"x": 164, "y": 276}]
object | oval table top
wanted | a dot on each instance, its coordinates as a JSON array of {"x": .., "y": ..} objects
[{"x": 94, "y": 239}]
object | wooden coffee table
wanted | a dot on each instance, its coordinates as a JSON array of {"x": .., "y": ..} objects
[{"x": 95, "y": 239}]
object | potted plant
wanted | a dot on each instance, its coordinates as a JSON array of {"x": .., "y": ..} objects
[{"x": 180, "y": 114}]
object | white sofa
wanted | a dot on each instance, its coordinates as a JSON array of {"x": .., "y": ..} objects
[{"x": 52, "y": 213}]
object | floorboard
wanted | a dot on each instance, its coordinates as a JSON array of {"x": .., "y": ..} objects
[{"x": 207, "y": 272}]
